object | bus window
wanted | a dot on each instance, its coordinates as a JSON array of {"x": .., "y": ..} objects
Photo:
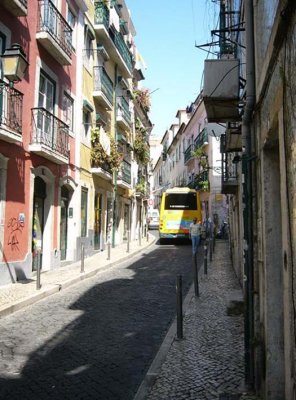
[{"x": 180, "y": 201}]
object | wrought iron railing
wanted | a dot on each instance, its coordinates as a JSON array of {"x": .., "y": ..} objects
[
  {"x": 229, "y": 169},
  {"x": 11, "y": 107},
  {"x": 103, "y": 82},
  {"x": 123, "y": 49},
  {"x": 123, "y": 109},
  {"x": 187, "y": 153},
  {"x": 49, "y": 131},
  {"x": 201, "y": 139},
  {"x": 126, "y": 172},
  {"x": 52, "y": 22},
  {"x": 102, "y": 14}
]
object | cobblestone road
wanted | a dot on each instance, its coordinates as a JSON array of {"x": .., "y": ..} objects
[{"x": 96, "y": 339}]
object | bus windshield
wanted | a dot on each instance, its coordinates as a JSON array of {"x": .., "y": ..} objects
[{"x": 180, "y": 201}]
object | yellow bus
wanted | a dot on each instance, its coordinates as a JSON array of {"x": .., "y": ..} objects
[{"x": 177, "y": 209}]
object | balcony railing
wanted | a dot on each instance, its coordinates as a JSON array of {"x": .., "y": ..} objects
[
  {"x": 123, "y": 49},
  {"x": 187, "y": 153},
  {"x": 103, "y": 83},
  {"x": 50, "y": 131},
  {"x": 102, "y": 14},
  {"x": 52, "y": 22},
  {"x": 11, "y": 108},
  {"x": 123, "y": 109},
  {"x": 126, "y": 172},
  {"x": 202, "y": 139},
  {"x": 229, "y": 174}
]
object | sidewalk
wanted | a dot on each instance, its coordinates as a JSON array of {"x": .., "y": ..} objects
[
  {"x": 208, "y": 364},
  {"x": 15, "y": 296}
]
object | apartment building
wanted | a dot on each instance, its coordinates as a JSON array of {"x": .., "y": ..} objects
[
  {"x": 191, "y": 157},
  {"x": 253, "y": 94},
  {"x": 38, "y": 139},
  {"x": 71, "y": 169}
]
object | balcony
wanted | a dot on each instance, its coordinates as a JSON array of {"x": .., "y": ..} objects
[
  {"x": 124, "y": 179},
  {"x": 230, "y": 181},
  {"x": 54, "y": 33},
  {"x": 50, "y": 136},
  {"x": 103, "y": 171},
  {"x": 123, "y": 115},
  {"x": 187, "y": 154},
  {"x": 19, "y": 8},
  {"x": 11, "y": 107},
  {"x": 233, "y": 137},
  {"x": 221, "y": 90},
  {"x": 112, "y": 40},
  {"x": 103, "y": 88},
  {"x": 202, "y": 139}
]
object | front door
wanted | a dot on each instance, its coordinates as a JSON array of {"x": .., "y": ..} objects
[
  {"x": 38, "y": 222},
  {"x": 64, "y": 222},
  {"x": 98, "y": 221}
]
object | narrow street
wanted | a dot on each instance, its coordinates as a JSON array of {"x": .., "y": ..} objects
[{"x": 96, "y": 339}]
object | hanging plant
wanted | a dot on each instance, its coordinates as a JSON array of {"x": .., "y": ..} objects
[
  {"x": 143, "y": 97},
  {"x": 98, "y": 155},
  {"x": 201, "y": 156},
  {"x": 141, "y": 149},
  {"x": 141, "y": 186}
]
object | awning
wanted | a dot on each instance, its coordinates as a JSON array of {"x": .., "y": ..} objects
[{"x": 88, "y": 106}]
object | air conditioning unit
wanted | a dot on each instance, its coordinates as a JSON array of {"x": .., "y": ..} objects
[{"x": 221, "y": 90}]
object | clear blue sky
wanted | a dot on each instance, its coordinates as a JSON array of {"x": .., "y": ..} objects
[{"x": 167, "y": 31}]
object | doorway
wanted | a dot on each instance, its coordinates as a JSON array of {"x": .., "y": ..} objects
[
  {"x": 65, "y": 198},
  {"x": 98, "y": 221},
  {"x": 38, "y": 222}
]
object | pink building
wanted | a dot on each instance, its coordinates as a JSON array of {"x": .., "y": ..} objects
[{"x": 38, "y": 157}]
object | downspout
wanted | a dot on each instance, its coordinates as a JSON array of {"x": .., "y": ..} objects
[
  {"x": 115, "y": 170},
  {"x": 248, "y": 195}
]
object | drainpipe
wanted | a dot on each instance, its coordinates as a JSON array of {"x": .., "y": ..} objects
[
  {"x": 248, "y": 195},
  {"x": 115, "y": 170}
]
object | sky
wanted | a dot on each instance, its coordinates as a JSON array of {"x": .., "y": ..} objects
[{"x": 167, "y": 31}]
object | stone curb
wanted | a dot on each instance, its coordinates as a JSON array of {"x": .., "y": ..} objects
[{"x": 57, "y": 287}]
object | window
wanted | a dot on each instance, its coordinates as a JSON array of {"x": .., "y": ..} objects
[
  {"x": 71, "y": 19},
  {"x": 180, "y": 201},
  {"x": 68, "y": 105},
  {"x": 86, "y": 122},
  {"x": 87, "y": 54},
  {"x": 83, "y": 214},
  {"x": 46, "y": 93}
]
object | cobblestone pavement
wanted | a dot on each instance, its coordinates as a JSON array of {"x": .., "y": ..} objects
[
  {"x": 208, "y": 364},
  {"x": 96, "y": 339}
]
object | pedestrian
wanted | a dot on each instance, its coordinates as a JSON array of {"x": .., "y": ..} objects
[{"x": 194, "y": 234}]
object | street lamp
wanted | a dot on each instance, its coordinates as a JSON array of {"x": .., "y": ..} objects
[{"x": 14, "y": 63}]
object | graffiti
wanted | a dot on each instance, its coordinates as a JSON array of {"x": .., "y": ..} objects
[{"x": 15, "y": 228}]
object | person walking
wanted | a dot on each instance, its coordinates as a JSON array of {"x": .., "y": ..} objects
[{"x": 194, "y": 234}]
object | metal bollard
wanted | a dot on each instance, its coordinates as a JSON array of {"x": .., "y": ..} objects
[
  {"x": 128, "y": 242},
  {"x": 206, "y": 258},
  {"x": 211, "y": 250},
  {"x": 109, "y": 251},
  {"x": 82, "y": 259},
  {"x": 139, "y": 237},
  {"x": 147, "y": 236},
  {"x": 179, "y": 307},
  {"x": 38, "y": 281},
  {"x": 195, "y": 275}
]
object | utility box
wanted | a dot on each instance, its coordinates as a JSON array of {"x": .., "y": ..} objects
[{"x": 221, "y": 90}]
